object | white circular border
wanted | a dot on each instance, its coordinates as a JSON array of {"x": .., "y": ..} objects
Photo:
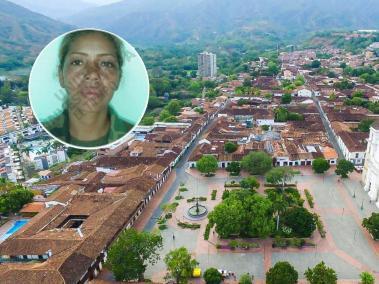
[{"x": 127, "y": 133}]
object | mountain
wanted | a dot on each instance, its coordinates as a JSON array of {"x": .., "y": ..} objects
[
  {"x": 23, "y": 34},
  {"x": 56, "y": 9},
  {"x": 172, "y": 21}
]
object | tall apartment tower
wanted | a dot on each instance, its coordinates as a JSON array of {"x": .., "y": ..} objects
[{"x": 206, "y": 62}]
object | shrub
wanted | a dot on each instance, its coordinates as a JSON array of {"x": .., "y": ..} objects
[
  {"x": 309, "y": 198},
  {"x": 162, "y": 227},
  {"x": 168, "y": 216},
  {"x": 213, "y": 195},
  {"x": 201, "y": 198},
  {"x": 185, "y": 225},
  {"x": 218, "y": 246},
  {"x": 183, "y": 189},
  {"x": 207, "y": 231},
  {"x": 320, "y": 225},
  {"x": 279, "y": 242},
  {"x": 161, "y": 221},
  {"x": 178, "y": 197},
  {"x": 233, "y": 244}
]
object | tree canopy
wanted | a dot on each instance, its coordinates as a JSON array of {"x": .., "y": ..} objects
[
  {"x": 320, "y": 165},
  {"x": 321, "y": 274},
  {"x": 280, "y": 176},
  {"x": 13, "y": 197},
  {"x": 300, "y": 220},
  {"x": 180, "y": 265},
  {"x": 212, "y": 276},
  {"x": 230, "y": 147},
  {"x": 257, "y": 163},
  {"x": 249, "y": 183},
  {"x": 372, "y": 224},
  {"x": 207, "y": 164},
  {"x": 243, "y": 213},
  {"x": 129, "y": 255},
  {"x": 282, "y": 273},
  {"x": 344, "y": 167}
]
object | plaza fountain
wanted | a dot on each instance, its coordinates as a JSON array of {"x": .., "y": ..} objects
[{"x": 196, "y": 212}]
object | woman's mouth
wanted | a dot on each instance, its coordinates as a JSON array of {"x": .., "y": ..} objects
[{"x": 90, "y": 93}]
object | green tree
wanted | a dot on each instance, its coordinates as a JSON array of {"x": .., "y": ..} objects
[
  {"x": 300, "y": 220},
  {"x": 344, "y": 167},
  {"x": 282, "y": 273},
  {"x": 281, "y": 114},
  {"x": 246, "y": 279},
  {"x": 234, "y": 168},
  {"x": 320, "y": 165},
  {"x": 279, "y": 204},
  {"x": 148, "y": 120},
  {"x": 228, "y": 217},
  {"x": 11, "y": 201},
  {"x": 259, "y": 222},
  {"x": 365, "y": 125},
  {"x": 180, "y": 265},
  {"x": 265, "y": 127},
  {"x": 280, "y": 176},
  {"x": 286, "y": 99},
  {"x": 321, "y": 274},
  {"x": 207, "y": 164},
  {"x": 230, "y": 147},
  {"x": 171, "y": 119},
  {"x": 367, "y": 278},
  {"x": 154, "y": 102},
  {"x": 164, "y": 115},
  {"x": 315, "y": 64},
  {"x": 372, "y": 224},
  {"x": 243, "y": 213},
  {"x": 256, "y": 163},
  {"x": 129, "y": 255},
  {"x": 212, "y": 276},
  {"x": 173, "y": 107},
  {"x": 249, "y": 183}
]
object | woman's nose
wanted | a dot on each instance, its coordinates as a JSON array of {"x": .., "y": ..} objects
[{"x": 92, "y": 72}]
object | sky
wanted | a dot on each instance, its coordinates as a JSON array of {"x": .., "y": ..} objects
[{"x": 101, "y": 2}]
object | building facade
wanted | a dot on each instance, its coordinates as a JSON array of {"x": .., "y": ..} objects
[
  {"x": 206, "y": 62},
  {"x": 370, "y": 176}
]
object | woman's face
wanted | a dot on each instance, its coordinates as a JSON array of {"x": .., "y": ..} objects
[{"x": 90, "y": 73}]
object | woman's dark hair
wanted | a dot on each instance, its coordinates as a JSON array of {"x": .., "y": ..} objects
[{"x": 71, "y": 37}]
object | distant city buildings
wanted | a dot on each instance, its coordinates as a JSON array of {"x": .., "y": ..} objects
[
  {"x": 206, "y": 62},
  {"x": 370, "y": 176}
]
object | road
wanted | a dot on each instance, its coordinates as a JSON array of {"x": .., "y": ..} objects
[{"x": 328, "y": 129}]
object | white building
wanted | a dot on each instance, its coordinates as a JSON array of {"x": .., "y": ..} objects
[
  {"x": 206, "y": 62},
  {"x": 353, "y": 146},
  {"x": 370, "y": 176},
  {"x": 304, "y": 93}
]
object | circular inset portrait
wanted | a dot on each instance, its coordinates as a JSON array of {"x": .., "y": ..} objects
[{"x": 88, "y": 88}]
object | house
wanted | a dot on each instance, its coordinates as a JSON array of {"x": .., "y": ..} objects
[
  {"x": 45, "y": 175},
  {"x": 353, "y": 146}
]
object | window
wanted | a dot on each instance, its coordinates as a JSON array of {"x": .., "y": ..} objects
[{"x": 356, "y": 155}]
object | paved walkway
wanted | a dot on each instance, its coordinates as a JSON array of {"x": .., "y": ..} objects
[{"x": 347, "y": 248}]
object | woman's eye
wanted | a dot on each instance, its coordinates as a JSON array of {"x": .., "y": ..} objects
[
  {"x": 107, "y": 64},
  {"x": 76, "y": 62}
]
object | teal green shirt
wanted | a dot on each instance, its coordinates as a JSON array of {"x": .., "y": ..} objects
[{"x": 59, "y": 127}]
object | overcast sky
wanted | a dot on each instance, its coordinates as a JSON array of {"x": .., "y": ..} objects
[{"x": 101, "y": 2}]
